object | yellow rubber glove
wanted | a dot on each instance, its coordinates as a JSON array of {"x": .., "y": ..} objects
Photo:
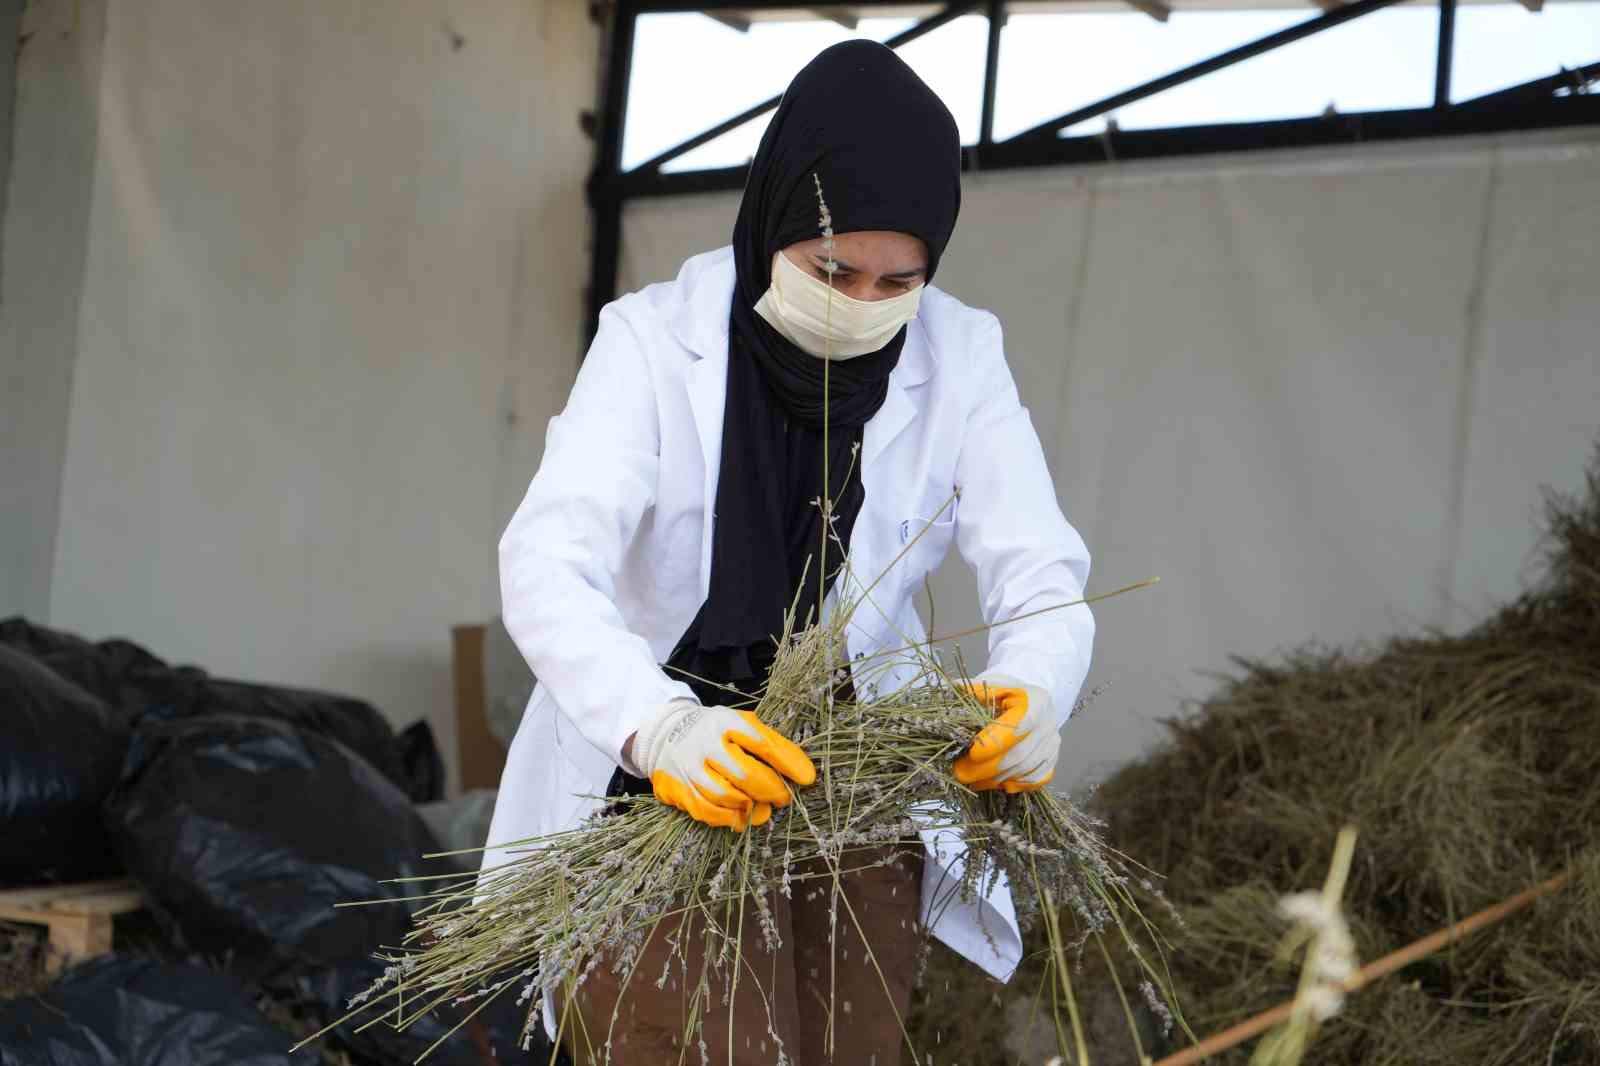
[
  {"x": 719, "y": 766},
  {"x": 1018, "y": 750}
]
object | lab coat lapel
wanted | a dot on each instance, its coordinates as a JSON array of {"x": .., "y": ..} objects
[
  {"x": 708, "y": 393},
  {"x": 915, "y": 365},
  {"x": 701, "y": 325},
  {"x": 883, "y": 427},
  {"x": 871, "y": 544}
]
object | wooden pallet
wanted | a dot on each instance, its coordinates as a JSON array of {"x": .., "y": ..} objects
[{"x": 78, "y": 915}]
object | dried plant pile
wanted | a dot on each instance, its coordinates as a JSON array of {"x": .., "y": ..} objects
[
  {"x": 22, "y": 960},
  {"x": 1471, "y": 765},
  {"x": 567, "y": 902}
]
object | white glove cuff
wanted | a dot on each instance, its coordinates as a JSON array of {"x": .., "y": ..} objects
[{"x": 651, "y": 741}]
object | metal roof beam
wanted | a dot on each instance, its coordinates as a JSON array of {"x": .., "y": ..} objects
[
  {"x": 1554, "y": 112},
  {"x": 991, "y": 70},
  {"x": 1576, "y": 82},
  {"x": 605, "y": 201},
  {"x": 1444, "y": 59}
]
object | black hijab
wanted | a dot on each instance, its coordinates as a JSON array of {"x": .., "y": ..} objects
[{"x": 888, "y": 157}]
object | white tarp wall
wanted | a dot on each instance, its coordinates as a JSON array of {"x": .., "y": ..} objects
[
  {"x": 291, "y": 290},
  {"x": 1316, "y": 394}
]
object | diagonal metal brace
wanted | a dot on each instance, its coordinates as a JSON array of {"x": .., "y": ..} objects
[{"x": 1217, "y": 62}]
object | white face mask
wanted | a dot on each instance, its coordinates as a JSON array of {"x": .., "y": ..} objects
[{"x": 827, "y": 323}]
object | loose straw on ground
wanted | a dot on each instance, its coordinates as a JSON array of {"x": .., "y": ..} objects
[{"x": 1395, "y": 960}]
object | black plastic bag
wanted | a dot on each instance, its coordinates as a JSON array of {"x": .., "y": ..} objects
[
  {"x": 245, "y": 833},
  {"x": 354, "y": 723},
  {"x": 127, "y": 677},
  {"x": 493, "y": 1035},
  {"x": 126, "y": 1011},
  {"x": 422, "y": 763},
  {"x": 61, "y": 751},
  {"x": 119, "y": 672}
]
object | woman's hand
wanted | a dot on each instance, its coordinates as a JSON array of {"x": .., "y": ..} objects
[
  {"x": 1018, "y": 750},
  {"x": 719, "y": 766}
]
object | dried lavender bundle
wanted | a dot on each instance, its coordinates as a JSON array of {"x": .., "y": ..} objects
[{"x": 593, "y": 895}]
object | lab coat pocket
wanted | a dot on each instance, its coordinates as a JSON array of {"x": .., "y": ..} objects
[
  {"x": 580, "y": 758},
  {"x": 926, "y": 537}
]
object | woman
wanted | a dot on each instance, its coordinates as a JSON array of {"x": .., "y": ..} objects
[{"x": 675, "y": 514}]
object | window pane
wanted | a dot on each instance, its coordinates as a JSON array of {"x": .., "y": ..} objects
[
  {"x": 691, "y": 72},
  {"x": 1051, "y": 64},
  {"x": 1505, "y": 44},
  {"x": 733, "y": 149},
  {"x": 1377, "y": 62},
  {"x": 950, "y": 60}
]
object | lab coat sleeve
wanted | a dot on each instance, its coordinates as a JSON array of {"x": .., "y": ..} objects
[
  {"x": 1010, "y": 529},
  {"x": 561, "y": 553}
]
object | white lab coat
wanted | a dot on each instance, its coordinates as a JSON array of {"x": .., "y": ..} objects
[{"x": 609, "y": 556}]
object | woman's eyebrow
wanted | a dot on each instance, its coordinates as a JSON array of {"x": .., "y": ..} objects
[{"x": 838, "y": 265}]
